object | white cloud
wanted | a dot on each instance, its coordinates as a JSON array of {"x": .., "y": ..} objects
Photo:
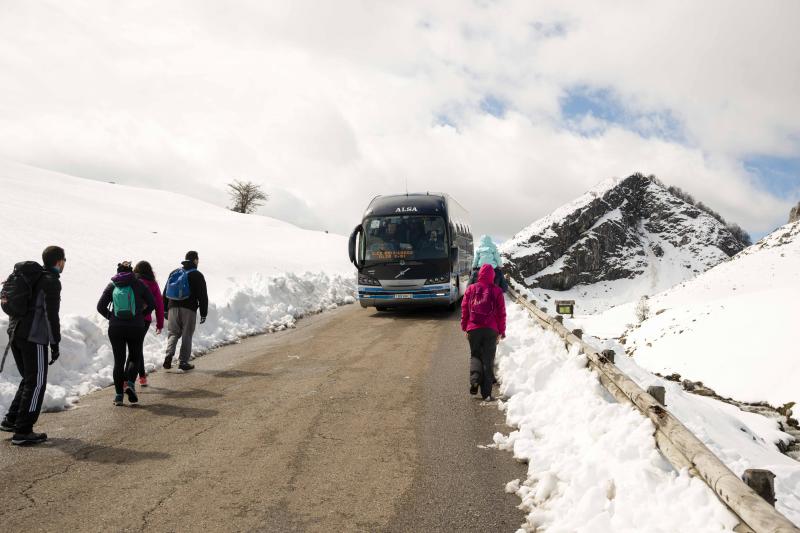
[{"x": 329, "y": 104}]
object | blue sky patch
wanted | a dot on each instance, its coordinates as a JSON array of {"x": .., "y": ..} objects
[
  {"x": 778, "y": 175},
  {"x": 605, "y": 107},
  {"x": 493, "y": 105}
]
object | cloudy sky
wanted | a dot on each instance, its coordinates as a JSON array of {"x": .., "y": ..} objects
[{"x": 514, "y": 107}]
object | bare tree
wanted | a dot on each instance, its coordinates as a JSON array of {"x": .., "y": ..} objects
[
  {"x": 642, "y": 309},
  {"x": 246, "y": 196}
]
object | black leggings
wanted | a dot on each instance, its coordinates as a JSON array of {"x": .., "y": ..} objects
[
  {"x": 125, "y": 365},
  {"x": 483, "y": 347}
]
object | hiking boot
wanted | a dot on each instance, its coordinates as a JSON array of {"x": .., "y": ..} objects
[
  {"x": 186, "y": 366},
  {"x": 23, "y": 439},
  {"x": 167, "y": 362},
  {"x": 131, "y": 392},
  {"x": 118, "y": 399},
  {"x": 143, "y": 381},
  {"x": 5, "y": 425},
  {"x": 473, "y": 388}
]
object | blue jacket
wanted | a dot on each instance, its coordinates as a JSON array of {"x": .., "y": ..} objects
[{"x": 486, "y": 254}]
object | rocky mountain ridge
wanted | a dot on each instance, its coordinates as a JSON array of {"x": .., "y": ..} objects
[{"x": 623, "y": 229}]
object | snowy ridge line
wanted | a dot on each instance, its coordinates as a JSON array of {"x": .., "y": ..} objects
[{"x": 676, "y": 443}]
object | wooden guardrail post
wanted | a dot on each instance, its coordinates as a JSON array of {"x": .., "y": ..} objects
[
  {"x": 578, "y": 333},
  {"x": 610, "y": 355},
  {"x": 761, "y": 481},
  {"x": 657, "y": 392}
]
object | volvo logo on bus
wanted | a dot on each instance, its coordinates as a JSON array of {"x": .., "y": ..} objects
[
  {"x": 401, "y": 273},
  {"x": 406, "y": 210}
]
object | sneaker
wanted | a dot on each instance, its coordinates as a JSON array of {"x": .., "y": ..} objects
[
  {"x": 5, "y": 425},
  {"x": 168, "y": 362},
  {"x": 473, "y": 388},
  {"x": 489, "y": 399},
  {"x": 186, "y": 366},
  {"x": 143, "y": 381},
  {"x": 131, "y": 392},
  {"x": 118, "y": 399},
  {"x": 22, "y": 439}
]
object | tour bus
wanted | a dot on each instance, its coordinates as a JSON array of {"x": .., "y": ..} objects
[{"x": 412, "y": 249}]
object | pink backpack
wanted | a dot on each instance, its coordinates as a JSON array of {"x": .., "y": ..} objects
[{"x": 481, "y": 303}]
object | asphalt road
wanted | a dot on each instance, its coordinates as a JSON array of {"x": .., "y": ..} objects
[{"x": 354, "y": 421}]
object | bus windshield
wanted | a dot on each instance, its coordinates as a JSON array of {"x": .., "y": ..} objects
[{"x": 392, "y": 238}]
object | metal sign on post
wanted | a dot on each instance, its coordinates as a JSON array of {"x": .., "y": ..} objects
[{"x": 566, "y": 307}]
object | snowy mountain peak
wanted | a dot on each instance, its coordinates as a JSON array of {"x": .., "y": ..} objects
[
  {"x": 633, "y": 229},
  {"x": 794, "y": 214}
]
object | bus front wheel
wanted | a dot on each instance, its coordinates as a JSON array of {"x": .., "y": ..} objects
[{"x": 381, "y": 308}]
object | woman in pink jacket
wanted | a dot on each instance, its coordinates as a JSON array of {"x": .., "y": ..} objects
[
  {"x": 144, "y": 272},
  {"x": 483, "y": 317}
]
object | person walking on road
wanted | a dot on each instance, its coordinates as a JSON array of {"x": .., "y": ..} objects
[
  {"x": 487, "y": 254},
  {"x": 144, "y": 273},
  {"x": 483, "y": 317},
  {"x": 184, "y": 294},
  {"x": 31, "y": 297},
  {"x": 124, "y": 303}
]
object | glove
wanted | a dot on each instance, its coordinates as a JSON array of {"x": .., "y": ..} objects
[
  {"x": 202, "y": 319},
  {"x": 54, "y": 353}
]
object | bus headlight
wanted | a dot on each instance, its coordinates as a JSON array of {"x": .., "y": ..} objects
[
  {"x": 363, "y": 279},
  {"x": 437, "y": 280}
]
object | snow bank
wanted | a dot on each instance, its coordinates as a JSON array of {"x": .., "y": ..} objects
[
  {"x": 262, "y": 273},
  {"x": 592, "y": 463},
  {"x": 565, "y": 416}
]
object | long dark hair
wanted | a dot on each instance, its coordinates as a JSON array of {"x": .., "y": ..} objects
[{"x": 143, "y": 269}]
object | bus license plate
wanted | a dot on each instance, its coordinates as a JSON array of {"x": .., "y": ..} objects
[{"x": 402, "y": 296}]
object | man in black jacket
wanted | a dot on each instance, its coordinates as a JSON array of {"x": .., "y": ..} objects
[
  {"x": 30, "y": 336},
  {"x": 182, "y": 313}
]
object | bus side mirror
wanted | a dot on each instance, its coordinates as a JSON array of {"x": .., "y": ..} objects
[{"x": 352, "y": 246}]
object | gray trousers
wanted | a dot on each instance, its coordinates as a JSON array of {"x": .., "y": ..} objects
[{"x": 180, "y": 326}]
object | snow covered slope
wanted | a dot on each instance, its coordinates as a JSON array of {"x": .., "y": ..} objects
[
  {"x": 734, "y": 327},
  {"x": 262, "y": 273},
  {"x": 621, "y": 240},
  {"x": 592, "y": 462}
]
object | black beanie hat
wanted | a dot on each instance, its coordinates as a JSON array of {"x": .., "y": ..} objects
[{"x": 125, "y": 266}]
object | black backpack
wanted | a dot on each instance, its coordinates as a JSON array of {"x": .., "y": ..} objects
[{"x": 16, "y": 296}]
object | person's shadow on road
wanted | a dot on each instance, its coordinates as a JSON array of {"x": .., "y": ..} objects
[
  {"x": 97, "y": 453},
  {"x": 177, "y": 411}
]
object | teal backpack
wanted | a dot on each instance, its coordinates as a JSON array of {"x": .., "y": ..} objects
[{"x": 124, "y": 302}]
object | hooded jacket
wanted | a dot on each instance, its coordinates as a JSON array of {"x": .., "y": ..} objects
[
  {"x": 495, "y": 321},
  {"x": 198, "y": 293},
  {"x": 41, "y": 323},
  {"x": 144, "y": 301},
  {"x": 155, "y": 290},
  {"x": 486, "y": 254}
]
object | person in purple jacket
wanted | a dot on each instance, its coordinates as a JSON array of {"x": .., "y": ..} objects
[
  {"x": 123, "y": 303},
  {"x": 483, "y": 318},
  {"x": 144, "y": 273}
]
